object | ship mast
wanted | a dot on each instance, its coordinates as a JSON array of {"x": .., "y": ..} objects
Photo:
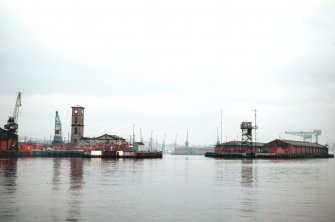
[
  {"x": 163, "y": 144},
  {"x": 187, "y": 143}
]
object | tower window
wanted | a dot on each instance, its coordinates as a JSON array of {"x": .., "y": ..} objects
[
  {"x": 75, "y": 131},
  {"x": 76, "y": 120}
]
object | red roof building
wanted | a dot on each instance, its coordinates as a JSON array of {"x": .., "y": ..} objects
[{"x": 294, "y": 147}]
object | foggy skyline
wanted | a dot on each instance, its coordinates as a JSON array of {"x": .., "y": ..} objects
[{"x": 170, "y": 67}]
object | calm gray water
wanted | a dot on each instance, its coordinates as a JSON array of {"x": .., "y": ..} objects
[{"x": 175, "y": 188}]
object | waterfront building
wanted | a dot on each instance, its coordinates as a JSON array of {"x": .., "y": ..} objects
[
  {"x": 238, "y": 147},
  {"x": 294, "y": 147},
  {"x": 110, "y": 139}
]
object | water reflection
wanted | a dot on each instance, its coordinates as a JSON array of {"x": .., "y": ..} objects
[
  {"x": 56, "y": 173},
  {"x": 8, "y": 171},
  {"x": 247, "y": 174},
  {"x": 76, "y": 173},
  {"x": 248, "y": 196},
  {"x": 76, "y": 180},
  {"x": 8, "y": 209}
]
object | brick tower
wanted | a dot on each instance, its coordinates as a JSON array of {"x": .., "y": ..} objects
[{"x": 77, "y": 126}]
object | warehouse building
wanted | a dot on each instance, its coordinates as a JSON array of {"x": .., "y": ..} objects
[
  {"x": 238, "y": 147},
  {"x": 294, "y": 147}
]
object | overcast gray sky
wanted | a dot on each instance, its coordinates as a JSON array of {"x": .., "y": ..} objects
[{"x": 170, "y": 66}]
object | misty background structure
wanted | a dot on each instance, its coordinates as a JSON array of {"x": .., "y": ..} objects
[{"x": 170, "y": 67}]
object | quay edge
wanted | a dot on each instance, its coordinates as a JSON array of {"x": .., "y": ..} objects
[
  {"x": 79, "y": 154},
  {"x": 266, "y": 156}
]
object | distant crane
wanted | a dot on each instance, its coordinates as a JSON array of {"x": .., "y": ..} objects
[
  {"x": 12, "y": 125},
  {"x": 58, "y": 140},
  {"x": 306, "y": 135}
]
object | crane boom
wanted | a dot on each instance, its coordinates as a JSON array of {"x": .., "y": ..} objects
[
  {"x": 306, "y": 135},
  {"x": 17, "y": 107},
  {"x": 12, "y": 120},
  {"x": 58, "y": 140}
]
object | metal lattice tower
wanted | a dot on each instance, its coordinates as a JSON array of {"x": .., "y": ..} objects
[
  {"x": 58, "y": 140},
  {"x": 246, "y": 128}
]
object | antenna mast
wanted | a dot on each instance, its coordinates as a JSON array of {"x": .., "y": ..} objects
[
  {"x": 218, "y": 138},
  {"x": 221, "y": 127},
  {"x": 256, "y": 127},
  {"x": 133, "y": 134},
  {"x": 141, "y": 135},
  {"x": 150, "y": 142}
]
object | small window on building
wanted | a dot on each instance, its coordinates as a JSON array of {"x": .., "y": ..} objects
[
  {"x": 75, "y": 120},
  {"x": 75, "y": 131}
]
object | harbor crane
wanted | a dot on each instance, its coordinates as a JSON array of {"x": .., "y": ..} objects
[
  {"x": 306, "y": 135},
  {"x": 12, "y": 124},
  {"x": 58, "y": 140}
]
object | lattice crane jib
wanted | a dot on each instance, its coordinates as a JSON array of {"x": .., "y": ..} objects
[
  {"x": 12, "y": 123},
  {"x": 306, "y": 135},
  {"x": 58, "y": 139}
]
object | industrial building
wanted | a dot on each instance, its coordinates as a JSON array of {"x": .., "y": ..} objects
[
  {"x": 238, "y": 147},
  {"x": 8, "y": 140},
  {"x": 277, "y": 146},
  {"x": 246, "y": 147},
  {"x": 110, "y": 139},
  {"x": 113, "y": 142},
  {"x": 294, "y": 147}
]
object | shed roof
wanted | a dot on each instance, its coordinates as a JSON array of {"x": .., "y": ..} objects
[
  {"x": 300, "y": 143},
  {"x": 107, "y": 136},
  {"x": 239, "y": 143}
]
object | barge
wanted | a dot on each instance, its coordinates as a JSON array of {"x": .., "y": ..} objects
[
  {"x": 83, "y": 154},
  {"x": 123, "y": 154}
]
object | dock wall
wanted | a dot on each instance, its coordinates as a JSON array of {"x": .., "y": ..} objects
[{"x": 266, "y": 156}]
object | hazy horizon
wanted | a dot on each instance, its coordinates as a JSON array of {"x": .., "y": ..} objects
[{"x": 170, "y": 67}]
